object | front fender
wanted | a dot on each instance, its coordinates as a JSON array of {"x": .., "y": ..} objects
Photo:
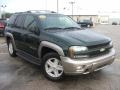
[{"x": 50, "y": 45}]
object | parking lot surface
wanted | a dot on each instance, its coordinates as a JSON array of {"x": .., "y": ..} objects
[{"x": 18, "y": 74}]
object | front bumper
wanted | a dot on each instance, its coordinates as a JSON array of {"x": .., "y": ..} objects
[{"x": 86, "y": 65}]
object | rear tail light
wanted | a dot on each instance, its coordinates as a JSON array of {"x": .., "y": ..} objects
[{"x": 2, "y": 25}]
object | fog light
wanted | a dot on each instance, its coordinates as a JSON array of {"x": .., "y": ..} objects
[{"x": 80, "y": 68}]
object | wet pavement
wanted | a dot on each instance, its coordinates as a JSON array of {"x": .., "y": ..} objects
[{"x": 18, "y": 74}]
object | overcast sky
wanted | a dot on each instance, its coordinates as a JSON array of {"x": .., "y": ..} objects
[{"x": 80, "y": 6}]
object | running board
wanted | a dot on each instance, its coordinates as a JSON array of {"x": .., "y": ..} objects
[{"x": 29, "y": 58}]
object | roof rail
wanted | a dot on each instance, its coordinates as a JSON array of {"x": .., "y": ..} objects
[
  {"x": 36, "y": 11},
  {"x": 18, "y": 12},
  {"x": 40, "y": 11}
]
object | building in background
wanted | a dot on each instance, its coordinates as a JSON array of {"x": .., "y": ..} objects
[
  {"x": 96, "y": 19},
  {"x": 103, "y": 19},
  {"x": 77, "y": 18}
]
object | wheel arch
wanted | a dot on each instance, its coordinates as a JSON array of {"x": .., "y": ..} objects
[
  {"x": 9, "y": 36},
  {"x": 51, "y": 46}
]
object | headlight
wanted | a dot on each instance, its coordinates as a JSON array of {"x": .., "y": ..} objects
[{"x": 77, "y": 51}]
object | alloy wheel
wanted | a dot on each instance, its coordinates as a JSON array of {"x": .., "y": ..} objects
[{"x": 54, "y": 67}]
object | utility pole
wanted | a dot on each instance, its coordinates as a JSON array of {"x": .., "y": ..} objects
[
  {"x": 57, "y": 6},
  {"x": 0, "y": 13},
  {"x": 3, "y": 6},
  {"x": 72, "y": 3},
  {"x": 45, "y": 4}
]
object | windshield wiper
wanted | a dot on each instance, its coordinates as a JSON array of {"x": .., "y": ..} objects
[
  {"x": 50, "y": 28},
  {"x": 72, "y": 28}
]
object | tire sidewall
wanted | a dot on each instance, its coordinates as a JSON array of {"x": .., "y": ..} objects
[
  {"x": 14, "y": 52},
  {"x": 45, "y": 58}
]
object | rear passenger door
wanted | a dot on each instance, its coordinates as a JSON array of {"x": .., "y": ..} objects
[
  {"x": 17, "y": 31},
  {"x": 31, "y": 38}
]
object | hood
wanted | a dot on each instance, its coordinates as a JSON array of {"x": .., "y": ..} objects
[{"x": 82, "y": 37}]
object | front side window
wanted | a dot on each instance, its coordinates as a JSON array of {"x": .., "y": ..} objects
[
  {"x": 28, "y": 21},
  {"x": 31, "y": 25}
]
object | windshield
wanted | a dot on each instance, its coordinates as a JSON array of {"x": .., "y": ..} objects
[{"x": 57, "y": 22}]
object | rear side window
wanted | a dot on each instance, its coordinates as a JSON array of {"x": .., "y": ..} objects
[
  {"x": 19, "y": 21},
  {"x": 12, "y": 20}
]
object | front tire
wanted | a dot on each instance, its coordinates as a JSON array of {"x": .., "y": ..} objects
[
  {"x": 52, "y": 67},
  {"x": 11, "y": 49}
]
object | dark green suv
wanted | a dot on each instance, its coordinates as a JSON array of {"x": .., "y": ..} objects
[{"x": 57, "y": 43}]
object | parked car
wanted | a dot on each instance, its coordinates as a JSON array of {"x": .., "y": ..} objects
[
  {"x": 85, "y": 23},
  {"x": 57, "y": 43},
  {"x": 2, "y": 26},
  {"x": 114, "y": 23}
]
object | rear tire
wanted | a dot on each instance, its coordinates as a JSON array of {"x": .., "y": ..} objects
[
  {"x": 52, "y": 67},
  {"x": 11, "y": 48}
]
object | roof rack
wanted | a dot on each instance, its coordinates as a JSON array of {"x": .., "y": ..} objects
[
  {"x": 18, "y": 12},
  {"x": 37, "y": 11},
  {"x": 40, "y": 11}
]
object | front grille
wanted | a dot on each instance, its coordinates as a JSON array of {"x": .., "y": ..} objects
[
  {"x": 99, "y": 46},
  {"x": 98, "y": 53},
  {"x": 95, "y": 50}
]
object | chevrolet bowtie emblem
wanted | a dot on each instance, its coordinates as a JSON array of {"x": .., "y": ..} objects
[{"x": 102, "y": 49}]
